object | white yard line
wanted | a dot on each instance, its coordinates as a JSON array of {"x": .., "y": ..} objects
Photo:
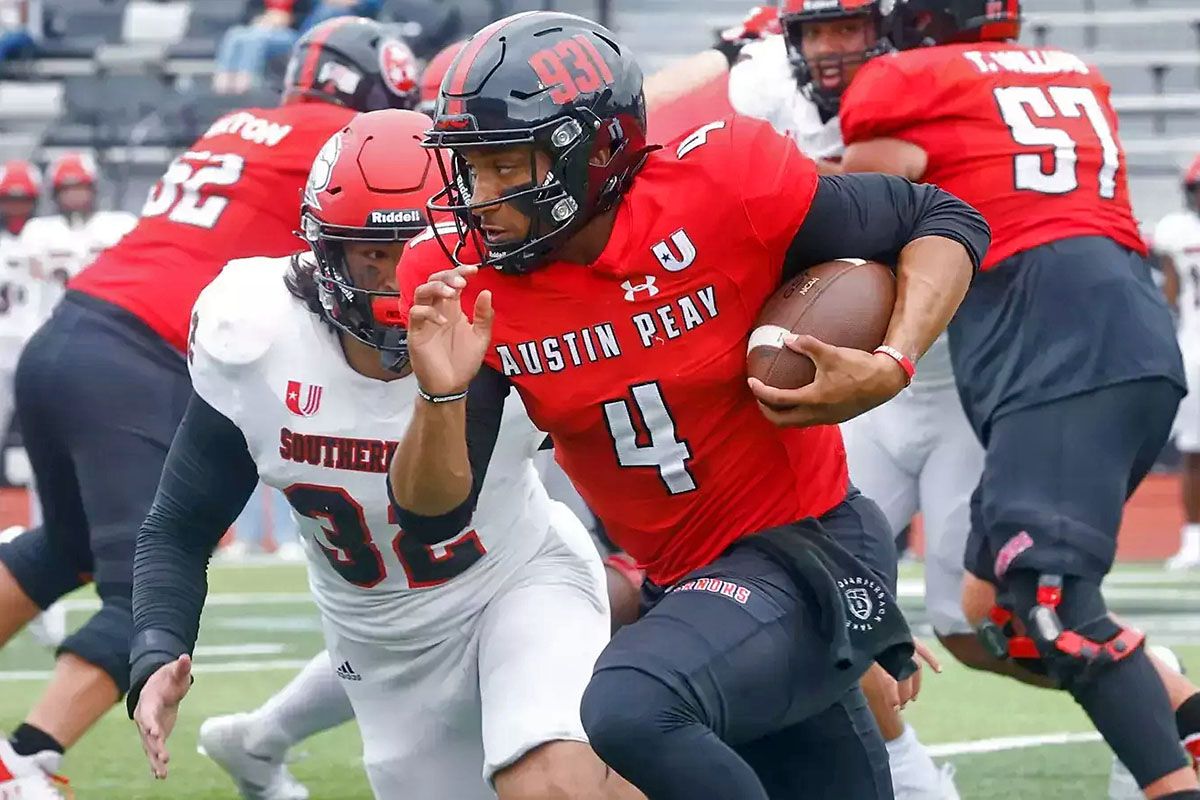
[
  {"x": 286, "y": 664},
  {"x": 219, "y": 599},
  {"x": 260, "y": 649},
  {"x": 1008, "y": 743}
]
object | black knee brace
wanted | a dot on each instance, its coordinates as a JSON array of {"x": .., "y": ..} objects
[
  {"x": 42, "y": 571},
  {"x": 104, "y": 639},
  {"x": 1058, "y": 627}
]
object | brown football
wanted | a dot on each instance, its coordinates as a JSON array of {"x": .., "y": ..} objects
[{"x": 847, "y": 303}]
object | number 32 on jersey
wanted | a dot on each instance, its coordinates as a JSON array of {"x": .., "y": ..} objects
[{"x": 179, "y": 193}]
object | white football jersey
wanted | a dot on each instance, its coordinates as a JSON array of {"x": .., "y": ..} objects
[
  {"x": 58, "y": 247},
  {"x": 1178, "y": 236},
  {"x": 18, "y": 298},
  {"x": 324, "y": 435},
  {"x": 763, "y": 85}
]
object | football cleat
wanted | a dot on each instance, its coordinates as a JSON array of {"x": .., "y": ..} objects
[
  {"x": 258, "y": 777},
  {"x": 30, "y": 777}
]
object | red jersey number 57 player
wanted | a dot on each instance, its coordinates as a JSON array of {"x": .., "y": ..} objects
[
  {"x": 1063, "y": 349},
  {"x": 625, "y": 280}
]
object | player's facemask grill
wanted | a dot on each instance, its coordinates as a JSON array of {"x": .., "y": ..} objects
[
  {"x": 556, "y": 206},
  {"x": 807, "y": 71},
  {"x": 370, "y": 316}
]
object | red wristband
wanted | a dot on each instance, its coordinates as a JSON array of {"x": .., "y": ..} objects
[{"x": 904, "y": 361}]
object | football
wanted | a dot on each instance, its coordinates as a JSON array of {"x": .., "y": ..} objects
[{"x": 846, "y": 302}]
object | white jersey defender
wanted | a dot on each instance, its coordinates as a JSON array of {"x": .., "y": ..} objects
[
  {"x": 1178, "y": 236},
  {"x": 474, "y": 652},
  {"x": 59, "y": 247},
  {"x": 916, "y": 452}
]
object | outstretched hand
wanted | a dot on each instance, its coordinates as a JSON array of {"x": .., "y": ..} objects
[{"x": 158, "y": 708}]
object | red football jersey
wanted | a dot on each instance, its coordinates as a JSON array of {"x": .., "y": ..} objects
[
  {"x": 1027, "y": 136},
  {"x": 636, "y": 364},
  {"x": 234, "y": 194}
]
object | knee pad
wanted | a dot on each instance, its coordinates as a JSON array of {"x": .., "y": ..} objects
[
  {"x": 40, "y": 569},
  {"x": 104, "y": 639},
  {"x": 1064, "y": 628},
  {"x": 623, "y": 711}
]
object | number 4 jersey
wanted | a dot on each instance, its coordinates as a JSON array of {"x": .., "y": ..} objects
[
  {"x": 324, "y": 435},
  {"x": 636, "y": 364},
  {"x": 235, "y": 193},
  {"x": 1026, "y": 136}
]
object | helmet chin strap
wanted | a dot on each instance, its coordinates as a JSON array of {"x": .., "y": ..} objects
[{"x": 393, "y": 357}]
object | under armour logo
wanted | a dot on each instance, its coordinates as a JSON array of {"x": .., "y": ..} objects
[{"x": 631, "y": 290}]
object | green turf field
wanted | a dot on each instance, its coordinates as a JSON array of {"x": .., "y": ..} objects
[{"x": 260, "y": 627}]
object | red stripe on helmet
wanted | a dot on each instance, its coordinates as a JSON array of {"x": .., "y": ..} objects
[
  {"x": 308, "y": 75},
  {"x": 458, "y": 80}
]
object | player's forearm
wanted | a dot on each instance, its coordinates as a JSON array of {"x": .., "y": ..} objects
[
  {"x": 206, "y": 480},
  {"x": 681, "y": 78},
  {"x": 430, "y": 474},
  {"x": 1170, "y": 280},
  {"x": 932, "y": 278}
]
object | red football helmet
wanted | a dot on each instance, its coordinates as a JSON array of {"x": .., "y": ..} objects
[
  {"x": 72, "y": 169},
  {"x": 370, "y": 183},
  {"x": 431, "y": 78},
  {"x": 68, "y": 173},
  {"x": 20, "y": 185},
  {"x": 21, "y": 179},
  {"x": 1191, "y": 185}
]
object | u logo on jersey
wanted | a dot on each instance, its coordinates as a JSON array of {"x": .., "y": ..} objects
[
  {"x": 678, "y": 259},
  {"x": 303, "y": 401}
]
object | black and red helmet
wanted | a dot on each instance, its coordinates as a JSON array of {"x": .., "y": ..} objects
[
  {"x": 794, "y": 15},
  {"x": 369, "y": 183},
  {"x": 354, "y": 62},
  {"x": 562, "y": 84},
  {"x": 922, "y": 23}
]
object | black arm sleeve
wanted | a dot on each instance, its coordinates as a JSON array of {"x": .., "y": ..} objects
[
  {"x": 873, "y": 216},
  {"x": 485, "y": 408},
  {"x": 207, "y": 479}
]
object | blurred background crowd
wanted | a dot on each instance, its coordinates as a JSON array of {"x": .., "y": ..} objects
[{"x": 98, "y": 96}]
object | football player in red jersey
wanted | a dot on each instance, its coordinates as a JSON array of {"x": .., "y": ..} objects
[
  {"x": 101, "y": 387},
  {"x": 1063, "y": 350},
  {"x": 625, "y": 280}
]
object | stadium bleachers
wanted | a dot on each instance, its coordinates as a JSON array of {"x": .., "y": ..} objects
[
  {"x": 128, "y": 80},
  {"x": 134, "y": 73}
]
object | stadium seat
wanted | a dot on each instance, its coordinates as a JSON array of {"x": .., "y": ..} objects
[
  {"x": 106, "y": 110},
  {"x": 163, "y": 22},
  {"x": 427, "y": 26},
  {"x": 211, "y": 18},
  {"x": 75, "y": 29}
]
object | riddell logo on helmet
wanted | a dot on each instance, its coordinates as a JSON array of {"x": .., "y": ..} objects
[{"x": 396, "y": 217}]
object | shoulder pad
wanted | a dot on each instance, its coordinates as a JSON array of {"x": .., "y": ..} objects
[{"x": 237, "y": 316}]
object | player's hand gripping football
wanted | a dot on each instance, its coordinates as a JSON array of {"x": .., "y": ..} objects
[
  {"x": 158, "y": 708},
  {"x": 848, "y": 382},
  {"x": 445, "y": 347}
]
